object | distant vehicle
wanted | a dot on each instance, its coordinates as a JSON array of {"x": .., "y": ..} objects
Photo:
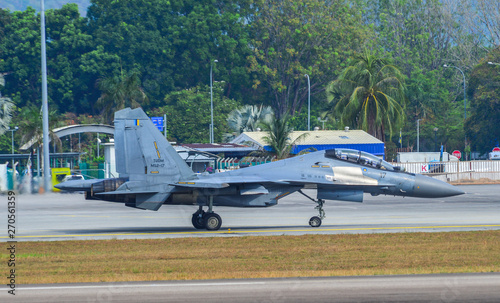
[
  {"x": 153, "y": 174},
  {"x": 73, "y": 178},
  {"x": 436, "y": 167},
  {"x": 403, "y": 157},
  {"x": 494, "y": 155}
]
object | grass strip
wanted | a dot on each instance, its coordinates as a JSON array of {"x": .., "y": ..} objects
[{"x": 257, "y": 257}]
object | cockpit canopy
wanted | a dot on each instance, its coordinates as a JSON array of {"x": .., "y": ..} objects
[{"x": 356, "y": 156}]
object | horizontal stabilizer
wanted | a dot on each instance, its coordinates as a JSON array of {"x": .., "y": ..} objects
[{"x": 150, "y": 201}]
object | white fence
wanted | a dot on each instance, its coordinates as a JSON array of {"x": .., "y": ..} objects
[{"x": 455, "y": 170}]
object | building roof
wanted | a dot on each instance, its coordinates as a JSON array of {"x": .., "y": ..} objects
[{"x": 319, "y": 137}]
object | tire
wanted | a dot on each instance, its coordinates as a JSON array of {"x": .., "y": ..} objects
[
  {"x": 315, "y": 221},
  {"x": 213, "y": 221},
  {"x": 198, "y": 221}
]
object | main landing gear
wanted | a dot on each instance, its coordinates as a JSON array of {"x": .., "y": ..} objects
[
  {"x": 316, "y": 221},
  {"x": 208, "y": 220}
]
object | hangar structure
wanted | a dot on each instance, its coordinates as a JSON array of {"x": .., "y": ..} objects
[
  {"x": 74, "y": 129},
  {"x": 321, "y": 140},
  {"x": 63, "y": 159}
]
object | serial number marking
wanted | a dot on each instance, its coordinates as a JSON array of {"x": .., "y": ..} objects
[{"x": 157, "y": 165}]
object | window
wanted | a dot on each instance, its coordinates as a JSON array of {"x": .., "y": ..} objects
[{"x": 360, "y": 157}]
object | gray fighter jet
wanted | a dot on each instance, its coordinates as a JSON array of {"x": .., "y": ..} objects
[{"x": 151, "y": 174}]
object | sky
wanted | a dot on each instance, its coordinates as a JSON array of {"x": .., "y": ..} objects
[{"x": 21, "y": 5}]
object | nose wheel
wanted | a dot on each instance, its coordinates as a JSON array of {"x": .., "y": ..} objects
[{"x": 316, "y": 220}]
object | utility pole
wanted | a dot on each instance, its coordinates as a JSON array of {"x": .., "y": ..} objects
[{"x": 45, "y": 106}]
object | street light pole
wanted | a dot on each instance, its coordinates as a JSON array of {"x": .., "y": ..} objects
[
  {"x": 211, "y": 104},
  {"x": 323, "y": 121},
  {"x": 98, "y": 145},
  {"x": 45, "y": 104},
  {"x": 308, "y": 102},
  {"x": 465, "y": 103},
  {"x": 435, "y": 138}
]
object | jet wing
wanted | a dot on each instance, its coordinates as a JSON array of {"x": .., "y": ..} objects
[
  {"x": 126, "y": 192},
  {"x": 222, "y": 182}
]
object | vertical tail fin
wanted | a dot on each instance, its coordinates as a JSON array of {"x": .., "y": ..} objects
[{"x": 141, "y": 151}]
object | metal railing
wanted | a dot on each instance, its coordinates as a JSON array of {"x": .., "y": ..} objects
[{"x": 454, "y": 171}]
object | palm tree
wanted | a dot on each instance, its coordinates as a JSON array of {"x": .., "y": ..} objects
[
  {"x": 6, "y": 107},
  {"x": 31, "y": 126},
  {"x": 248, "y": 118},
  {"x": 279, "y": 136},
  {"x": 369, "y": 94},
  {"x": 119, "y": 92}
]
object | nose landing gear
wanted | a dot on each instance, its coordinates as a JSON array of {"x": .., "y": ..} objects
[{"x": 316, "y": 221}]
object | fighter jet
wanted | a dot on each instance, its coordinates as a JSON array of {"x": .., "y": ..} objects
[{"x": 152, "y": 174}]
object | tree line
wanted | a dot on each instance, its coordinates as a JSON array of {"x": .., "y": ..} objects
[{"x": 158, "y": 54}]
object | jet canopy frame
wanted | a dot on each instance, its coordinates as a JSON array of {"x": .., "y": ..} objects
[{"x": 359, "y": 157}]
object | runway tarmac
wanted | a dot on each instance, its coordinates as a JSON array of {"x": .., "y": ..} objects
[
  {"x": 414, "y": 288},
  {"x": 58, "y": 216}
]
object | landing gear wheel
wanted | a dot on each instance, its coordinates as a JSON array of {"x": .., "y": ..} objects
[
  {"x": 315, "y": 221},
  {"x": 212, "y": 221},
  {"x": 198, "y": 220}
]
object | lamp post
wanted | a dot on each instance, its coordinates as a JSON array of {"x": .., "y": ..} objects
[
  {"x": 435, "y": 138},
  {"x": 465, "y": 103},
  {"x": 45, "y": 104},
  {"x": 308, "y": 102},
  {"x": 12, "y": 130},
  {"x": 211, "y": 104},
  {"x": 323, "y": 121},
  {"x": 98, "y": 145}
]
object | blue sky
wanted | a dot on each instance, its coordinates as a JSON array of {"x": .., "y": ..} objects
[{"x": 15, "y": 5}]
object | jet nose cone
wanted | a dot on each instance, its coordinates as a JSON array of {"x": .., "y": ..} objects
[{"x": 434, "y": 188}]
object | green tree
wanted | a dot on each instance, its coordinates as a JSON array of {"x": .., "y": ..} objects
[
  {"x": 20, "y": 53},
  {"x": 31, "y": 126},
  {"x": 294, "y": 38},
  {"x": 6, "y": 107},
  {"x": 279, "y": 136},
  {"x": 188, "y": 114},
  {"x": 172, "y": 42},
  {"x": 420, "y": 37},
  {"x": 369, "y": 94},
  {"x": 248, "y": 118},
  {"x": 482, "y": 125},
  {"x": 119, "y": 92}
]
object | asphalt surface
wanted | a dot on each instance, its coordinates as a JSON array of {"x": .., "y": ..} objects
[
  {"x": 57, "y": 216},
  {"x": 415, "y": 288}
]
